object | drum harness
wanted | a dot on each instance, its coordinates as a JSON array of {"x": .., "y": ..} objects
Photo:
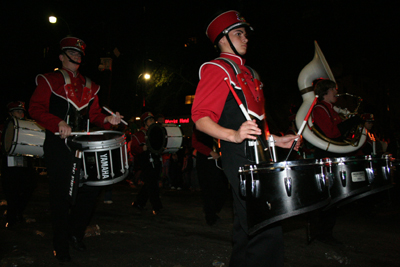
[
  {"x": 242, "y": 83},
  {"x": 88, "y": 84},
  {"x": 77, "y": 161},
  {"x": 271, "y": 142}
]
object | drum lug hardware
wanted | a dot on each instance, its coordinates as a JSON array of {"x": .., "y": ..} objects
[
  {"x": 386, "y": 172},
  {"x": 242, "y": 182},
  {"x": 320, "y": 177},
  {"x": 386, "y": 168},
  {"x": 288, "y": 186},
  {"x": 370, "y": 172},
  {"x": 343, "y": 175},
  {"x": 329, "y": 174},
  {"x": 255, "y": 184},
  {"x": 269, "y": 205}
]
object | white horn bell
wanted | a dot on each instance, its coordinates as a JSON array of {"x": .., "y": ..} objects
[{"x": 318, "y": 68}]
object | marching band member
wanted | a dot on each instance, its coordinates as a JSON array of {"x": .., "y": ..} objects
[
  {"x": 63, "y": 101},
  {"x": 326, "y": 118},
  {"x": 329, "y": 122},
  {"x": 17, "y": 176},
  {"x": 212, "y": 180},
  {"x": 150, "y": 165},
  {"x": 373, "y": 145},
  {"x": 216, "y": 113}
]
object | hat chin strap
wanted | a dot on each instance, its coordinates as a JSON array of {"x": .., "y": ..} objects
[
  {"x": 232, "y": 46},
  {"x": 70, "y": 59}
]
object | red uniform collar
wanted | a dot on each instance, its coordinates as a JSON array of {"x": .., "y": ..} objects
[
  {"x": 238, "y": 60},
  {"x": 327, "y": 103}
]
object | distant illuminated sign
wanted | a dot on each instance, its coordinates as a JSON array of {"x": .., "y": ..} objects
[{"x": 178, "y": 121}]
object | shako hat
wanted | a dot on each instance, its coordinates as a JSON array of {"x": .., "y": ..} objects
[
  {"x": 145, "y": 116},
  {"x": 73, "y": 43},
  {"x": 369, "y": 117},
  {"x": 224, "y": 23},
  {"x": 17, "y": 105}
]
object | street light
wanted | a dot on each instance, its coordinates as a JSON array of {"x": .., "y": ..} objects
[
  {"x": 146, "y": 77},
  {"x": 53, "y": 20}
]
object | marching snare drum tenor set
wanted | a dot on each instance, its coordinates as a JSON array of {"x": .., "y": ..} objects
[{"x": 274, "y": 191}]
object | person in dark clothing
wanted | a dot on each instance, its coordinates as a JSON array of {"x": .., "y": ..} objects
[
  {"x": 150, "y": 165},
  {"x": 212, "y": 180}
]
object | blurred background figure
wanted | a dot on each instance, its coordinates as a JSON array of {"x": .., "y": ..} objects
[
  {"x": 212, "y": 180},
  {"x": 150, "y": 166},
  {"x": 17, "y": 174}
]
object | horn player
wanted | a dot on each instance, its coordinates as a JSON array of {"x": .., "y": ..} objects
[
  {"x": 327, "y": 120},
  {"x": 325, "y": 117}
]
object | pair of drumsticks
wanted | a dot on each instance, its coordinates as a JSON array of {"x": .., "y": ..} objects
[
  {"x": 246, "y": 114},
  {"x": 95, "y": 133}
]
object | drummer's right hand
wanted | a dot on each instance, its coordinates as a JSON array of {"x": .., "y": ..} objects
[
  {"x": 64, "y": 129},
  {"x": 248, "y": 130}
]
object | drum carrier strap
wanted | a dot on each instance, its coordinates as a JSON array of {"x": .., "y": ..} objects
[
  {"x": 255, "y": 76},
  {"x": 67, "y": 80},
  {"x": 88, "y": 84},
  {"x": 236, "y": 68}
]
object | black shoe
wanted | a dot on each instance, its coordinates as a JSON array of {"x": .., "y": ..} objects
[
  {"x": 62, "y": 257},
  {"x": 77, "y": 244}
]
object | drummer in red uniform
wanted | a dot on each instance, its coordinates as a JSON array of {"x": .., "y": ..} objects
[
  {"x": 216, "y": 113},
  {"x": 17, "y": 175},
  {"x": 63, "y": 102}
]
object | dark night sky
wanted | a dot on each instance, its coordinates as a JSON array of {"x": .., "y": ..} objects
[{"x": 358, "y": 39}]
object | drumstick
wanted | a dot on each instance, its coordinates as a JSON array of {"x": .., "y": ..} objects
[
  {"x": 302, "y": 126},
  {"x": 82, "y": 133},
  {"x": 112, "y": 113},
  {"x": 245, "y": 113}
]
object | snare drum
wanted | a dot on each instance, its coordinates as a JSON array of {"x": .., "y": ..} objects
[
  {"x": 358, "y": 177},
  {"x": 23, "y": 138},
  {"x": 164, "y": 139},
  {"x": 104, "y": 158},
  {"x": 276, "y": 191},
  {"x": 379, "y": 174},
  {"x": 348, "y": 177}
]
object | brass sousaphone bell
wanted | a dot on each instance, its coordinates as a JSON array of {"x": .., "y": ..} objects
[{"x": 319, "y": 68}]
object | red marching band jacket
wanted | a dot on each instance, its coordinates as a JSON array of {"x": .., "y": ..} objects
[{"x": 55, "y": 94}]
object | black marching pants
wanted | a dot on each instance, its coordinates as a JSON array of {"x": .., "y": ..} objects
[{"x": 67, "y": 219}]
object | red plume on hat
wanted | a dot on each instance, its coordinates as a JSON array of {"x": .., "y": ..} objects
[
  {"x": 17, "y": 105},
  {"x": 73, "y": 43},
  {"x": 224, "y": 23}
]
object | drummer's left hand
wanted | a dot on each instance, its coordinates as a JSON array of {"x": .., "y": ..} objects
[
  {"x": 287, "y": 141},
  {"x": 114, "y": 120}
]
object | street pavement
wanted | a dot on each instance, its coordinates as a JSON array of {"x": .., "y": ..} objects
[{"x": 179, "y": 237}]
